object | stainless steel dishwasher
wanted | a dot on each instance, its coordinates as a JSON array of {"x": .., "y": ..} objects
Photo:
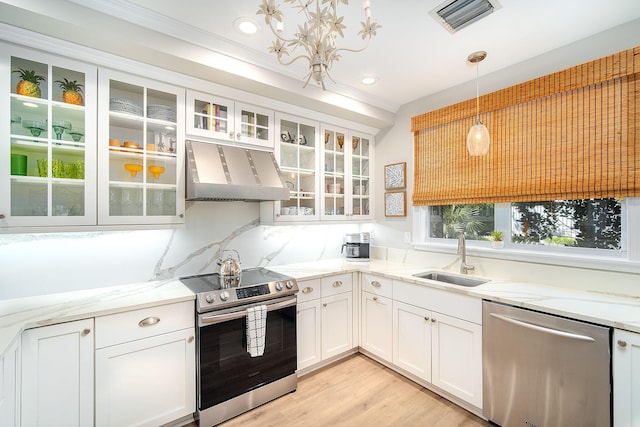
[{"x": 541, "y": 370}]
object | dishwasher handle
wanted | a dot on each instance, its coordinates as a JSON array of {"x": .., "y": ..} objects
[{"x": 542, "y": 328}]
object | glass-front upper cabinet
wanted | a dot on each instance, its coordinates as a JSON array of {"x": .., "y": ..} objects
[
  {"x": 360, "y": 176},
  {"x": 334, "y": 173},
  {"x": 48, "y": 160},
  {"x": 140, "y": 151},
  {"x": 213, "y": 117},
  {"x": 297, "y": 152}
]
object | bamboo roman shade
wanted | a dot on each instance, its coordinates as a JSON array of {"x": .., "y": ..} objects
[{"x": 573, "y": 134}]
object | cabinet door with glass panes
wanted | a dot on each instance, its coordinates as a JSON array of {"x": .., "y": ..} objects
[
  {"x": 334, "y": 172},
  {"x": 360, "y": 180},
  {"x": 140, "y": 151},
  {"x": 48, "y": 160},
  {"x": 213, "y": 117},
  {"x": 297, "y": 153}
]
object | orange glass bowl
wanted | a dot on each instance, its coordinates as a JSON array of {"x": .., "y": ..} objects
[
  {"x": 156, "y": 171},
  {"x": 133, "y": 168}
]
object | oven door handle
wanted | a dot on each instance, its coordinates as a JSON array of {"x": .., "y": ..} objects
[{"x": 219, "y": 318}]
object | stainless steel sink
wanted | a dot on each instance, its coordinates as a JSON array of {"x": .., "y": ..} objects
[{"x": 453, "y": 279}]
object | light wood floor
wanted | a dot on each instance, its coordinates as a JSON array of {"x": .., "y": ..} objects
[{"x": 357, "y": 392}]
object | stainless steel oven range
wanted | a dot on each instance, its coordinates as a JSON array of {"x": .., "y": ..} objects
[{"x": 230, "y": 379}]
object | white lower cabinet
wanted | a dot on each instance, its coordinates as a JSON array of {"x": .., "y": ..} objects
[
  {"x": 309, "y": 333},
  {"x": 337, "y": 324},
  {"x": 412, "y": 339},
  {"x": 443, "y": 349},
  {"x": 10, "y": 386},
  {"x": 377, "y": 325},
  {"x": 57, "y": 375},
  {"x": 626, "y": 379},
  {"x": 145, "y": 373},
  {"x": 325, "y": 319}
]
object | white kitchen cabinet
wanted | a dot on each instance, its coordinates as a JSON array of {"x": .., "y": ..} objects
[
  {"x": 47, "y": 148},
  {"x": 309, "y": 324},
  {"x": 57, "y": 375},
  {"x": 337, "y": 324},
  {"x": 222, "y": 119},
  {"x": 10, "y": 386},
  {"x": 377, "y": 322},
  {"x": 337, "y": 315},
  {"x": 412, "y": 339},
  {"x": 449, "y": 355},
  {"x": 145, "y": 366},
  {"x": 140, "y": 151},
  {"x": 626, "y": 378},
  {"x": 457, "y": 357},
  {"x": 346, "y": 180}
]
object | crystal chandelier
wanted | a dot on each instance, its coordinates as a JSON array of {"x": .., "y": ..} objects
[
  {"x": 317, "y": 37},
  {"x": 478, "y": 139}
]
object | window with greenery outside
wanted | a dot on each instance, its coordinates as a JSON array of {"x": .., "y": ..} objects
[
  {"x": 474, "y": 221},
  {"x": 587, "y": 223}
]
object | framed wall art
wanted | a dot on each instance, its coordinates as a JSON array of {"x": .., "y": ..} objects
[
  {"x": 395, "y": 203},
  {"x": 395, "y": 176}
]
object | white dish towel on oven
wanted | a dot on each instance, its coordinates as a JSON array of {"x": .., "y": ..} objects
[{"x": 256, "y": 329}]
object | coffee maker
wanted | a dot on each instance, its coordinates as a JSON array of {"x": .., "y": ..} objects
[{"x": 356, "y": 246}]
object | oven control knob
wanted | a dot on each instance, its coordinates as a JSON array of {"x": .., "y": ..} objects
[
  {"x": 209, "y": 298},
  {"x": 278, "y": 286},
  {"x": 289, "y": 285},
  {"x": 224, "y": 295}
]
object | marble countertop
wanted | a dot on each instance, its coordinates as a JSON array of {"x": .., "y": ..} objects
[{"x": 17, "y": 315}]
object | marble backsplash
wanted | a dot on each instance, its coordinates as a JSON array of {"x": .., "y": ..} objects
[{"x": 44, "y": 263}]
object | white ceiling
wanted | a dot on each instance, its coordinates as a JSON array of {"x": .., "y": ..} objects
[{"x": 412, "y": 55}]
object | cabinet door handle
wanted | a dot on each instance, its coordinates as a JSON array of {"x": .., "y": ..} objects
[
  {"x": 622, "y": 343},
  {"x": 238, "y": 135},
  {"x": 149, "y": 321},
  {"x": 307, "y": 290},
  {"x": 433, "y": 320},
  {"x": 324, "y": 305},
  {"x": 190, "y": 339},
  {"x": 1, "y": 216},
  {"x": 376, "y": 284},
  {"x": 426, "y": 318},
  {"x": 231, "y": 135},
  {"x": 337, "y": 284},
  {"x": 85, "y": 332},
  {"x": 375, "y": 298}
]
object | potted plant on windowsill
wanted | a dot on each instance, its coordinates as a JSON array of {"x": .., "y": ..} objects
[{"x": 496, "y": 239}]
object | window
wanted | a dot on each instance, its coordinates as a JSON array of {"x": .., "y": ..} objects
[{"x": 587, "y": 223}]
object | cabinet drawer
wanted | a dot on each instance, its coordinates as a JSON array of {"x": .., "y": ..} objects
[
  {"x": 309, "y": 290},
  {"x": 449, "y": 303},
  {"x": 147, "y": 322},
  {"x": 377, "y": 285},
  {"x": 336, "y": 284}
]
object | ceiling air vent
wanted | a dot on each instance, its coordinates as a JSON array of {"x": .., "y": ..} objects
[{"x": 457, "y": 14}]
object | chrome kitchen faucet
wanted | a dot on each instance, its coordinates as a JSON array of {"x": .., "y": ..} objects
[{"x": 462, "y": 249}]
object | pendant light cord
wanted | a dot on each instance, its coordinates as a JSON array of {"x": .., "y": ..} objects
[{"x": 477, "y": 95}]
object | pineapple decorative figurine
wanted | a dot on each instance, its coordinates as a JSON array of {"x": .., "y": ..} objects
[
  {"x": 71, "y": 91},
  {"x": 29, "y": 85}
]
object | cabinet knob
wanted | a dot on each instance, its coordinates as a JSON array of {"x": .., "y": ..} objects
[
  {"x": 190, "y": 339},
  {"x": 324, "y": 305},
  {"x": 85, "y": 332},
  {"x": 433, "y": 320},
  {"x": 376, "y": 284},
  {"x": 426, "y": 318},
  {"x": 238, "y": 135},
  {"x": 181, "y": 215},
  {"x": 337, "y": 284},
  {"x": 622, "y": 343},
  {"x": 230, "y": 135},
  {"x": 149, "y": 321},
  {"x": 1, "y": 216},
  {"x": 375, "y": 298}
]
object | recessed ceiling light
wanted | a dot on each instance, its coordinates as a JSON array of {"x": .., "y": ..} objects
[
  {"x": 245, "y": 25},
  {"x": 369, "y": 80}
]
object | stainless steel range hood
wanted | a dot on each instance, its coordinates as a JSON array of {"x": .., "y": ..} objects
[{"x": 220, "y": 172}]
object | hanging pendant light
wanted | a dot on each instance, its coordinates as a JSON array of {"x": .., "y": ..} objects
[{"x": 478, "y": 139}]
